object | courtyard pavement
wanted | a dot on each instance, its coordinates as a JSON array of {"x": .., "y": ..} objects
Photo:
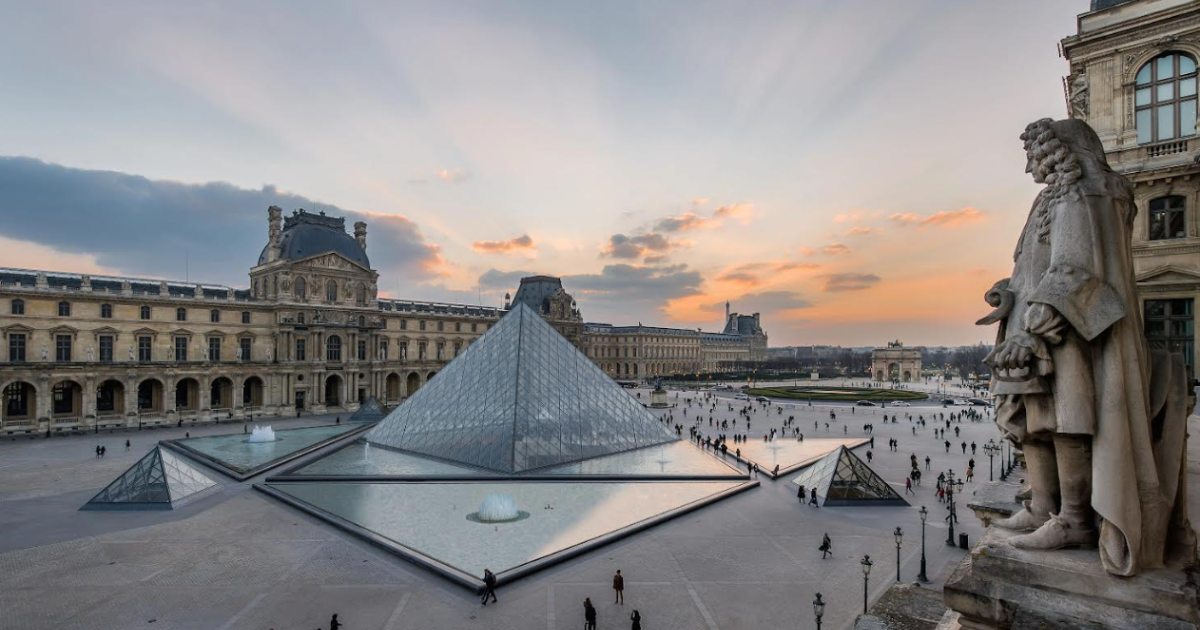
[{"x": 240, "y": 560}]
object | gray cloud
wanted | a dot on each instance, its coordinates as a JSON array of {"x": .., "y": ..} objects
[
  {"x": 766, "y": 302},
  {"x": 850, "y": 281},
  {"x": 143, "y": 227},
  {"x": 633, "y": 247}
]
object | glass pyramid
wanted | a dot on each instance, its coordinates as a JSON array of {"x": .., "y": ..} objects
[
  {"x": 841, "y": 478},
  {"x": 160, "y": 480},
  {"x": 370, "y": 411},
  {"x": 521, "y": 397}
]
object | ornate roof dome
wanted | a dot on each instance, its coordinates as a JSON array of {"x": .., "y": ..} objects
[{"x": 306, "y": 234}]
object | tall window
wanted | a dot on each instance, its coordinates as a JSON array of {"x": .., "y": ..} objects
[
  {"x": 383, "y": 350},
  {"x": 181, "y": 348},
  {"x": 144, "y": 312},
  {"x": 421, "y": 351},
  {"x": 145, "y": 348},
  {"x": 421, "y": 325},
  {"x": 362, "y": 349},
  {"x": 301, "y": 289},
  {"x": 106, "y": 311},
  {"x": 244, "y": 345},
  {"x": 16, "y": 347},
  {"x": 441, "y": 351},
  {"x": 106, "y": 348},
  {"x": 362, "y": 321},
  {"x": 333, "y": 348},
  {"x": 361, "y": 293},
  {"x": 214, "y": 316},
  {"x": 474, "y": 326},
  {"x": 1165, "y": 99},
  {"x": 299, "y": 318},
  {"x": 62, "y": 348},
  {"x": 404, "y": 324},
  {"x": 245, "y": 317},
  {"x": 457, "y": 326},
  {"x": 214, "y": 348},
  {"x": 457, "y": 347},
  {"x": 64, "y": 309},
  {"x": 441, "y": 326},
  {"x": 181, "y": 314},
  {"x": 331, "y": 291},
  {"x": 300, "y": 350},
  {"x": 1167, "y": 218},
  {"x": 1171, "y": 325},
  {"x": 18, "y": 307}
]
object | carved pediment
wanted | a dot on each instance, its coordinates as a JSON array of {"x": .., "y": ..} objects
[
  {"x": 146, "y": 331},
  {"x": 16, "y": 328},
  {"x": 63, "y": 330},
  {"x": 331, "y": 260},
  {"x": 1169, "y": 274},
  {"x": 106, "y": 330}
]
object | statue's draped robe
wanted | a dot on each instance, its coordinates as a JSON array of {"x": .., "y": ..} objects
[{"x": 1075, "y": 257}]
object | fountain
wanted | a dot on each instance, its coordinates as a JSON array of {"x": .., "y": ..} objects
[
  {"x": 262, "y": 434},
  {"x": 497, "y": 508}
]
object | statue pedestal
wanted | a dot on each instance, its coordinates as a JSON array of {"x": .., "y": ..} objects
[
  {"x": 999, "y": 587},
  {"x": 658, "y": 399}
]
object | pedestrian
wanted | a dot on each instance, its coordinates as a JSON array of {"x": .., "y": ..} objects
[
  {"x": 869, "y": 456},
  {"x": 826, "y": 547},
  {"x": 970, "y": 473},
  {"x": 489, "y": 586},
  {"x": 775, "y": 475},
  {"x": 964, "y": 445},
  {"x": 127, "y": 445},
  {"x": 103, "y": 451},
  {"x": 972, "y": 448},
  {"x": 589, "y": 614},
  {"x": 801, "y": 495},
  {"x": 927, "y": 463},
  {"x": 97, "y": 450},
  {"x": 334, "y": 624},
  {"x": 813, "y": 497},
  {"x": 636, "y": 618},
  {"x": 187, "y": 435},
  {"x": 619, "y": 587},
  {"x": 908, "y": 485}
]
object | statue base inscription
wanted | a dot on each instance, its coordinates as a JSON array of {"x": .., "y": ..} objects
[{"x": 1000, "y": 587}]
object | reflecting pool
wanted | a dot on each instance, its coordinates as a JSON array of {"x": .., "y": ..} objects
[{"x": 238, "y": 453}]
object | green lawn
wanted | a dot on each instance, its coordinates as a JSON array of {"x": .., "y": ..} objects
[{"x": 845, "y": 394}]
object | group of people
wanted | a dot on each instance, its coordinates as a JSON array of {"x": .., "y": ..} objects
[{"x": 589, "y": 609}]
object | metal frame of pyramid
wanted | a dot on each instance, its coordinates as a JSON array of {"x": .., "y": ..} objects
[
  {"x": 842, "y": 479},
  {"x": 520, "y": 398},
  {"x": 370, "y": 411},
  {"x": 159, "y": 480}
]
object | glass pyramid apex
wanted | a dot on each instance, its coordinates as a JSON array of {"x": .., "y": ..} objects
[
  {"x": 370, "y": 411},
  {"x": 158, "y": 480},
  {"x": 842, "y": 478},
  {"x": 520, "y": 398}
]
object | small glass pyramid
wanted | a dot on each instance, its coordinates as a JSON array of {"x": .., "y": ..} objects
[
  {"x": 841, "y": 478},
  {"x": 521, "y": 397},
  {"x": 370, "y": 411},
  {"x": 160, "y": 480}
]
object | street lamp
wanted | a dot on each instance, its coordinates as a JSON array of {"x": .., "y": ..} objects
[
  {"x": 818, "y": 610},
  {"x": 899, "y": 536},
  {"x": 990, "y": 449},
  {"x": 866, "y": 567},
  {"x": 1004, "y": 459},
  {"x": 924, "y": 515},
  {"x": 950, "y": 498}
]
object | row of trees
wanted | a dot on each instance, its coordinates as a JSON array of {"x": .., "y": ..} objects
[{"x": 961, "y": 362}]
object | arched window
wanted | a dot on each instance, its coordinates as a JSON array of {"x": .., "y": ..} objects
[
  {"x": 301, "y": 289},
  {"x": 331, "y": 291},
  {"x": 1165, "y": 99},
  {"x": 144, "y": 312},
  {"x": 106, "y": 311},
  {"x": 255, "y": 288},
  {"x": 362, "y": 321},
  {"x": 181, "y": 314},
  {"x": 333, "y": 348},
  {"x": 18, "y": 307},
  {"x": 1167, "y": 218},
  {"x": 361, "y": 294},
  {"x": 214, "y": 316},
  {"x": 64, "y": 309}
]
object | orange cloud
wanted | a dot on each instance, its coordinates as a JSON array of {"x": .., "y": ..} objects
[
  {"x": 740, "y": 277},
  {"x": 858, "y": 231},
  {"x": 790, "y": 265},
  {"x": 740, "y": 211},
  {"x": 835, "y": 249},
  {"x": 947, "y": 219},
  {"x": 684, "y": 222},
  {"x": 522, "y": 242},
  {"x": 847, "y": 216}
]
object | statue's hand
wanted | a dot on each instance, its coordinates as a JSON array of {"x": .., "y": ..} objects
[{"x": 1012, "y": 353}]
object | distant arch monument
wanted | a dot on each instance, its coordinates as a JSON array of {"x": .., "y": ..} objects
[{"x": 896, "y": 363}]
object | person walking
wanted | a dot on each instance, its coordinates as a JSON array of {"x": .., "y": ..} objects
[
  {"x": 908, "y": 486},
  {"x": 489, "y": 586},
  {"x": 127, "y": 445},
  {"x": 802, "y": 495},
  {"x": 826, "y": 547},
  {"x": 97, "y": 450},
  {"x": 334, "y": 624},
  {"x": 619, "y": 587},
  {"x": 636, "y": 621},
  {"x": 927, "y": 467},
  {"x": 869, "y": 457},
  {"x": 813, "y": 497},
  {"x": 589, "y": 614}
]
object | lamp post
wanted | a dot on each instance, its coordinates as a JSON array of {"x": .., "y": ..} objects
[
  {"x": 950, "y": 498},
  {"x": 924, "y": 515},
  {"x": 990, "y": 449},
  {"x": 818, "y": 610},
  {"x": 1004, "y": 459},
  {"x": 899, "y": 534},
  {"x": 866, "y": 568}
]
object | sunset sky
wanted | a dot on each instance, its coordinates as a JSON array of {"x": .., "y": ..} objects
[{"x": 851, "y": 169}]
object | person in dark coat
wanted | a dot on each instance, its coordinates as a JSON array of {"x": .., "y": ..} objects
[
  {"x": 489, "y": 584},
  {"x": 619, "y": 587},
  {"x": 589, "y": 614},
  {"x": 826, "y": 547},
  {"x": 334, "y": 624},
  {"x": 802, "y": 495},
  {"x": 813, "y": 499},
  {"x": 636, "y": 618}
]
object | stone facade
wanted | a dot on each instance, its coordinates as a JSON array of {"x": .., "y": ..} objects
[
  {"x": 1132, "y": 78},
  {"x": 310, "y": 333},
  {"x": 896, "y": 363}
]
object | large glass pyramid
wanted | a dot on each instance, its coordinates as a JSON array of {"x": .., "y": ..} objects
[
  {"x": 521, "y": 397},
  {"x": 160, "y": 480},
  {"x": 841, "y": 478},
  {"x": 370, "y": 411}
]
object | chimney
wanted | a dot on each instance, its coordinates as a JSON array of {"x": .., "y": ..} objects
[
  {"x": 360, "y": 234},
  {"x": 274, "y": 232}
]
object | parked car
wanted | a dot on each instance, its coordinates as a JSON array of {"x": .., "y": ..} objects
[
  {"x": 864, "y": 403},
  {"x": 762, "y": 399},
  {"x": 979, "y": 402},
  {"x": 899, "y": 403},
  {"x": 953, "y": 401},
  {"x": 742, "y": 397}
]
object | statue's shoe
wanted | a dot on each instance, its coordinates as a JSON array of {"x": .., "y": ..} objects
[
  {"x": 1056, "y": 533},
  {"x": 1023, "y": 521}
]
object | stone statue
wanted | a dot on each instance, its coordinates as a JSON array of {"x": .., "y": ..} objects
[
  {"x": 130, "y": 353},
  {"x": 1078, "y": 95},
  {"x": 238, "y": 354},
  {"x": 91, "y": 354},
  {"x": 204, "y": 353},
  {"x": 45, "y": 354},
  {"x": 1099, "y": 416},
  {"x": 268, "y": 354}
]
